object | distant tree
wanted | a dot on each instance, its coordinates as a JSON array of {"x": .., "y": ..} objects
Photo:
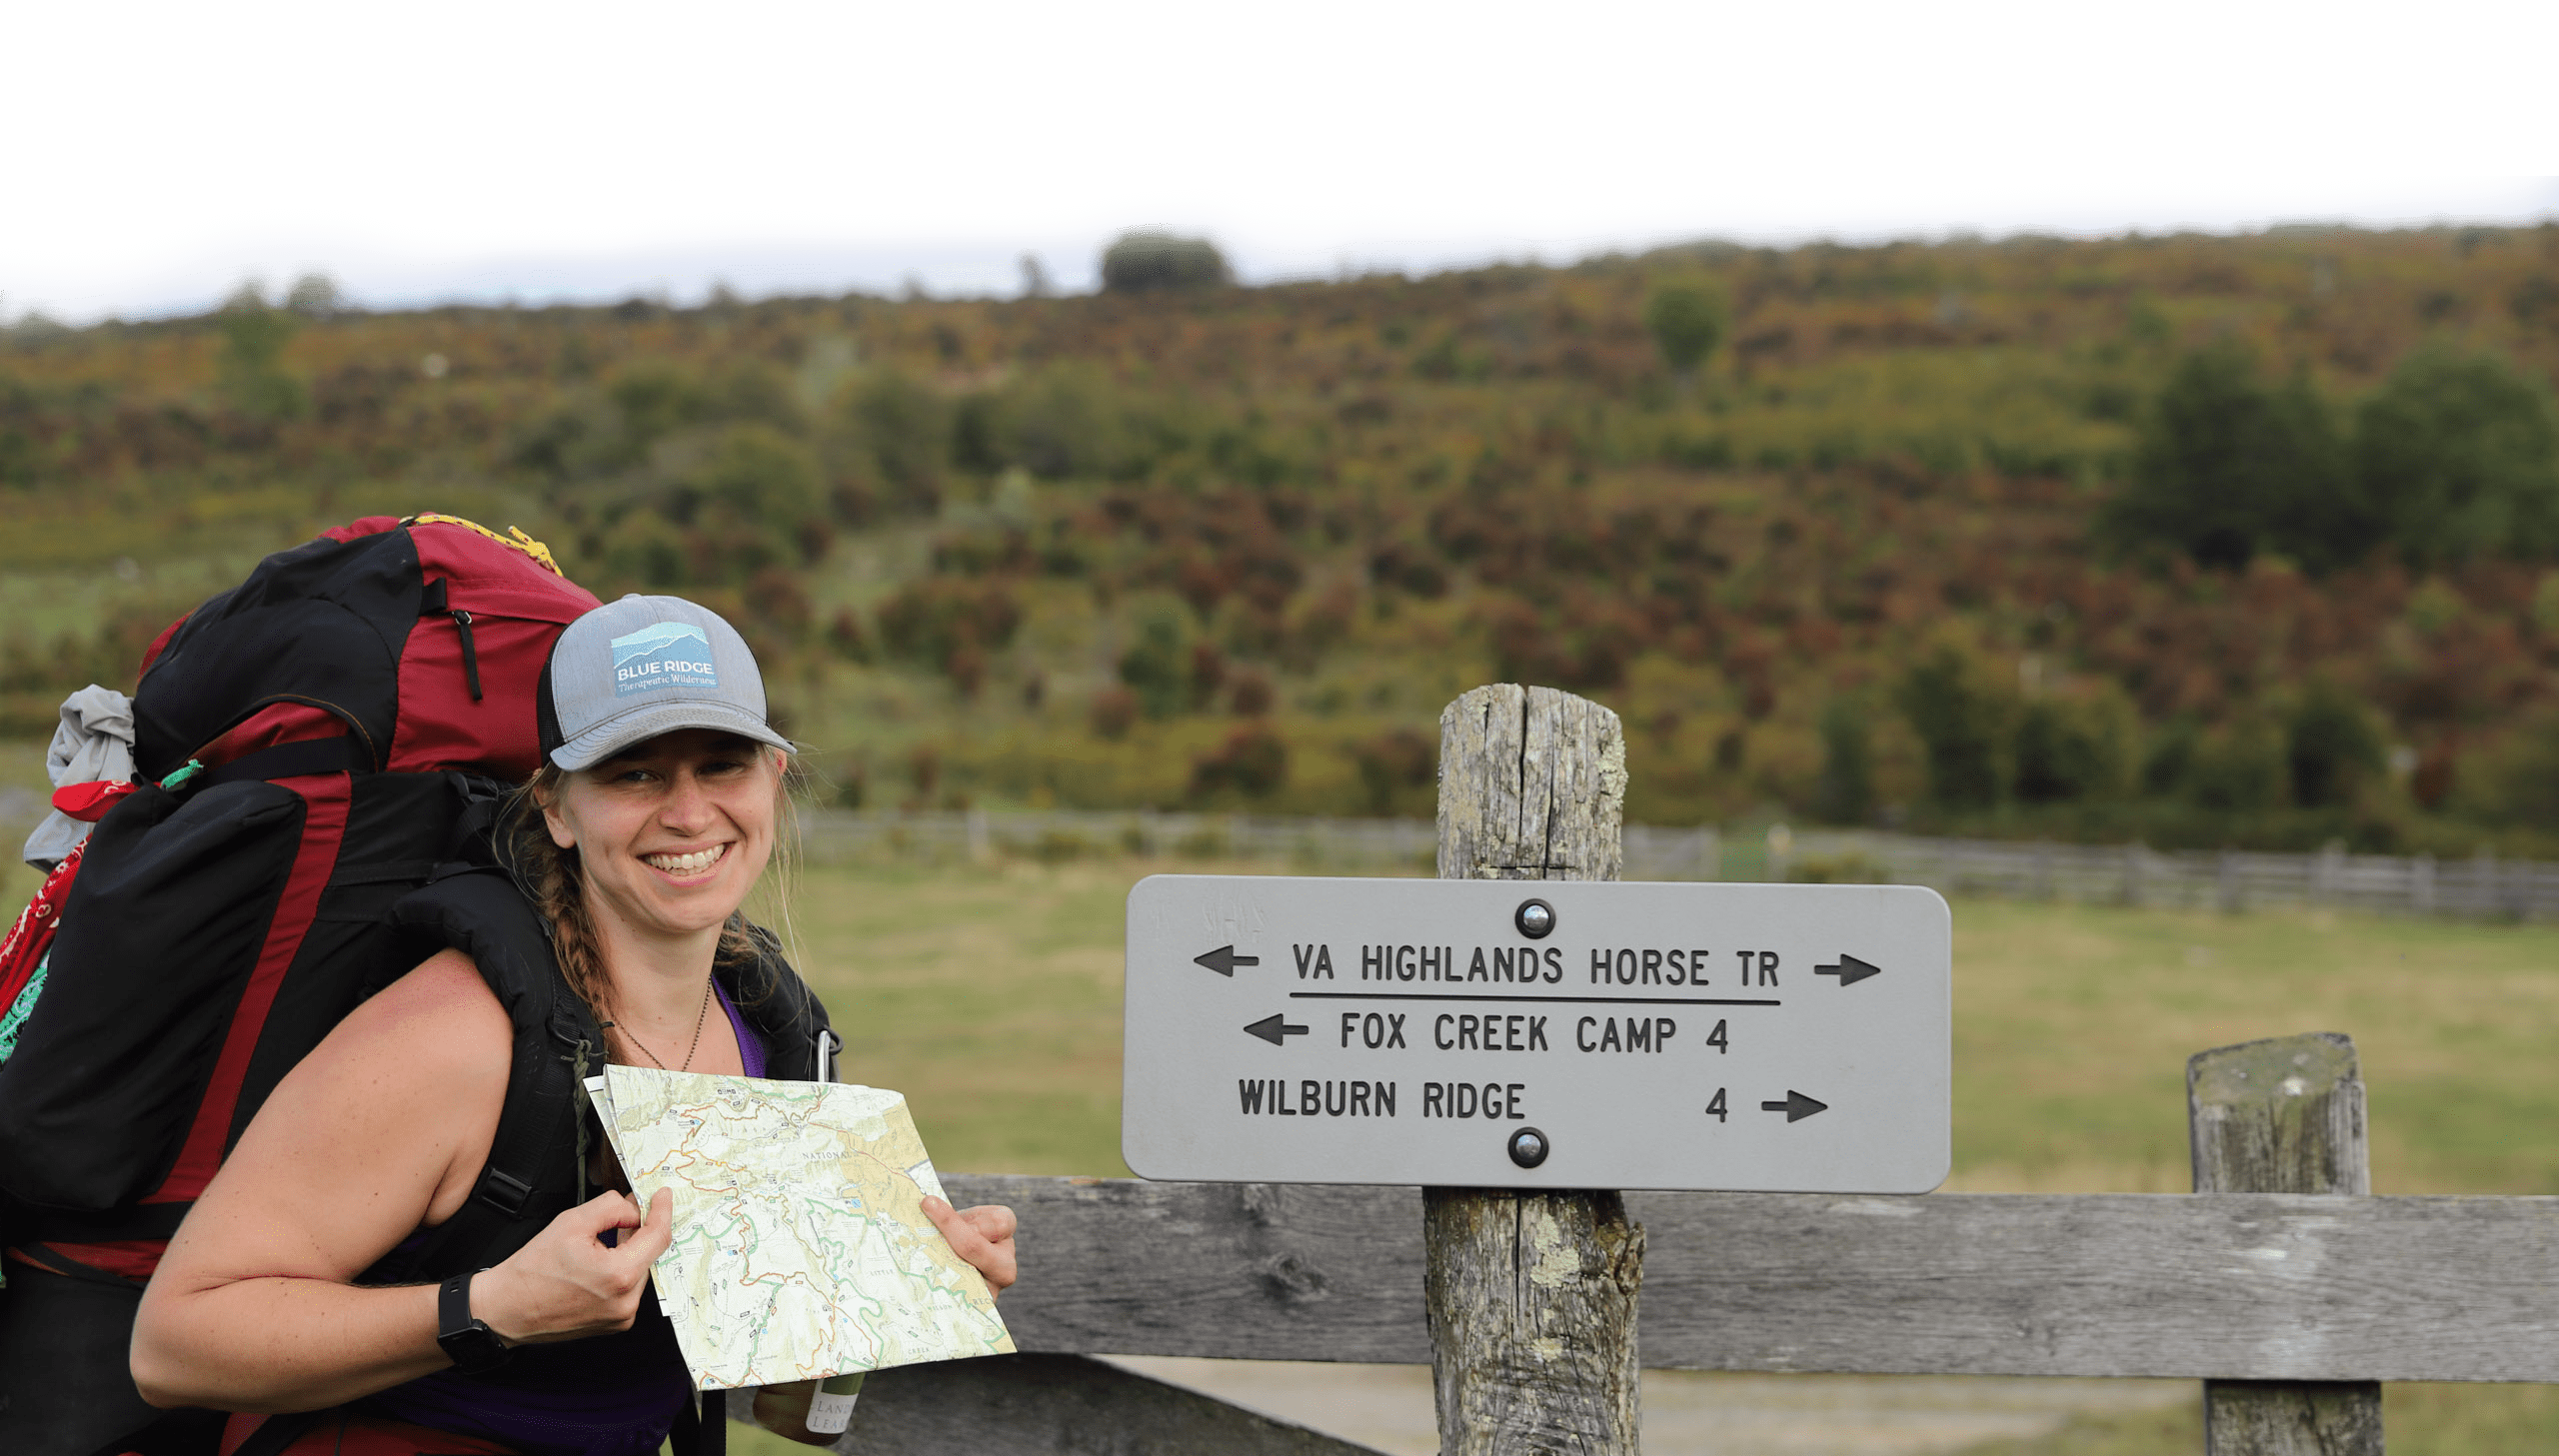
[
  {"x": 2170, "y": 758},
  {"x": 34, "y": 327},
  {"x": 2071, "y": 751},
  {"x": 1845, "y": 793},
  {"x": 2330, "y": 748},
  {"x": 896, "y": 428},
  {"x": 2227, "y": 465},
  {"x": 2238, "y": 766},
  {"x": 941, "y": 623},
  {"x": 1148, "y": 261},
  {"x": 2517, "y": 781},
  {"x": 2457, "y": 456},
  {"x": 847, "y": 639},
  {"x": 315, "y": 296},
  {"x": 655, "y": 398},
  {"x": 1034, "y": 277},
  {"x": 1253, "y": 759},
  {"x": 251, "y": 368},
  {"x": 1963, "y": 719},
  {"x": 1169, "y": 671},
  {"x": 2535, "y": 302},
  {"x": 1114, "y": 709},
  {"x": 762, "y": 480},
  {"x": 1687, "y": 321},
  {"x": 1394, "y": 765}
]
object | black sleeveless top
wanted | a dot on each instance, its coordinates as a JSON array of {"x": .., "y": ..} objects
[{"x": 607, "y": 1395}]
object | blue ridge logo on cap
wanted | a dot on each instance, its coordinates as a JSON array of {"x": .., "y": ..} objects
[{"x": 663, "y": 654}]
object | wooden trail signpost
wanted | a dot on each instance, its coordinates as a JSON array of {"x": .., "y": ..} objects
[
  {"x": 1527, "y": 1037},
  {"x": 1532, "y": 1295}
]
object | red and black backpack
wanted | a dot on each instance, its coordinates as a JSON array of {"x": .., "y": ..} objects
[{"x": 310, "y": 746}]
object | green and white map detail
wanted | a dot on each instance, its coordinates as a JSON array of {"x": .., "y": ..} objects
[{"x": 801, "y": 1245}]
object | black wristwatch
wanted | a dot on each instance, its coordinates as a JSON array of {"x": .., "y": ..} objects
[{"x": 474, "y": 1346}]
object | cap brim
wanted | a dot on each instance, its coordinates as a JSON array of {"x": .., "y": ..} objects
[{"x": 614, "y": 734}]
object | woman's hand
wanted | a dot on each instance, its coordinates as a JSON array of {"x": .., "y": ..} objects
[
  {"x": 568, "y": 1285},
  {"x": 983, "y": 1235}
]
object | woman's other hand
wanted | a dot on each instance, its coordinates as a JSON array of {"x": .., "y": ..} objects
[
  {"x": 982, "y": 1235},
  {"x": 568, "y": 1283}
]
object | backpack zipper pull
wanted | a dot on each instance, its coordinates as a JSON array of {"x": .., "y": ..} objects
[{"x": 470, "y": 653}]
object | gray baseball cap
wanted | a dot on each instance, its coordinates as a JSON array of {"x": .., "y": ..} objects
[{"x": 644, "y": 666}]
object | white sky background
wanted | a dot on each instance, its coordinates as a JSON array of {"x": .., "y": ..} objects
[{"x": 980, "y": 257}]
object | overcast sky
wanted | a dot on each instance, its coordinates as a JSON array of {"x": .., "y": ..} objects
[{"x": 984, "y": 257}]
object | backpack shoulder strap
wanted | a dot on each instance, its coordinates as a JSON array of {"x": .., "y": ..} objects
[{"x": 537, "y": 1159}]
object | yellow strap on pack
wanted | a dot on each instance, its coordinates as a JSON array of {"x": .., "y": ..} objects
[{"x": 515, "y": 537}]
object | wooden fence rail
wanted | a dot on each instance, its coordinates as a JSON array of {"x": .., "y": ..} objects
[
  {"x": 2239, "y": 1286},
  {"x": 2482, "y": 886}
]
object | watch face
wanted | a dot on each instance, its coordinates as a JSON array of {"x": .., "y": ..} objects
[{"x": 474, "y": 1348}]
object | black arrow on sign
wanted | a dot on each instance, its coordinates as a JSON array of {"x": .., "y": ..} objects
[
  {"x": 1851, "y": 970},
  {"x": 1273, "y": 1028},
  {"x": 1223, "y": 960},
  {"x": 1797, "y": 1106}
]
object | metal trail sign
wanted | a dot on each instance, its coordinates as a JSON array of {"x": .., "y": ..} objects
[{"x": 1538, "y": 1034}]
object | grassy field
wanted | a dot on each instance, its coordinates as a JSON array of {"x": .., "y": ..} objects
[{"x": 992, "y": 998}]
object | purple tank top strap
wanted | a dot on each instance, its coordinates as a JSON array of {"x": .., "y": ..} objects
[{"x": 751, "y": 1050}]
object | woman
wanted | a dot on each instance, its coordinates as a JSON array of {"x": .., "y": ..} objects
[{"x": 635, "y": 844}]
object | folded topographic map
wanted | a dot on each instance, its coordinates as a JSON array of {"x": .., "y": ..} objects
[{"x": 801, "y": 1245}]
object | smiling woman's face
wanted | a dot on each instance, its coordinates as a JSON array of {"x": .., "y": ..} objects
[{"x": 671, "y": 833}]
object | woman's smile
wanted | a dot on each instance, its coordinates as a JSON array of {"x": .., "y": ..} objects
[{"x": 686, "y": 866}]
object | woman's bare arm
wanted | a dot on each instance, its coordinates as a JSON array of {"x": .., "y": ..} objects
[{"x": 384, "y": 1127}]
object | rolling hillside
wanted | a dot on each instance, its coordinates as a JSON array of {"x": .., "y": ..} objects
[{"x": 1872, "y": 560}]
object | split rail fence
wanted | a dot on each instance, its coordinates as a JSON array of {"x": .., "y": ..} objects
[
  {"x": 2296, "y": 1302},
  {"x": 2482, "y": 886}
]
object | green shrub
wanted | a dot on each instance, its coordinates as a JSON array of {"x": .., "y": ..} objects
[
  {"x": 763, "y": 477},
  {"x": 1394, "y": 767},
  {"x": 251, "y": 370},
  {"x": 655, "y": 398},
  {"x": 2227, "y": 465},
  {"x": 895, "y": 430},
  {"x": 1963, "y": 717},
  {"x": 1253, "y": 761},
  {"x": 2071, "y": 750},
  {"x": 2330, "y": 748},
  {"x": 1167, "y": 666},
  {"x": 1060, "y": 423},
  {"x": 2239, "y": 766},
  {"x": 2457, "y": 456},
  {"x": 1847, "y": 867},
  {"x": 1687, "y": 321},
  {"x": 937, "y": 621},
  {"x": 1845, "y": 793},
  {"x": 1149, "y": 260}
]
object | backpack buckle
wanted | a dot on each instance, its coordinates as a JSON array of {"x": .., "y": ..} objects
[{"x": 505, "y": 1192}]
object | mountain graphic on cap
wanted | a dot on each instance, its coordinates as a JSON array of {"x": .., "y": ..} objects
[{"x": 655, "y": 637}]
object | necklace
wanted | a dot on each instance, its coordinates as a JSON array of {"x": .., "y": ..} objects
[{"x": 700, "y": 1018}]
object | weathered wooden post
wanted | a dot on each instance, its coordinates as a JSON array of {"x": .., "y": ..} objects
[
  {"x": 1531, "y": 1295},
  {"x": 2283, "y": 1116}
]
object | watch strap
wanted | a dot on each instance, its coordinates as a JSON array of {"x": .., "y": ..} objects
[{"x": 472, "y": 1345}]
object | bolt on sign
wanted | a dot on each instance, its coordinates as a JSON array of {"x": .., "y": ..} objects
[{"x": 1537, "y": 1035}]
